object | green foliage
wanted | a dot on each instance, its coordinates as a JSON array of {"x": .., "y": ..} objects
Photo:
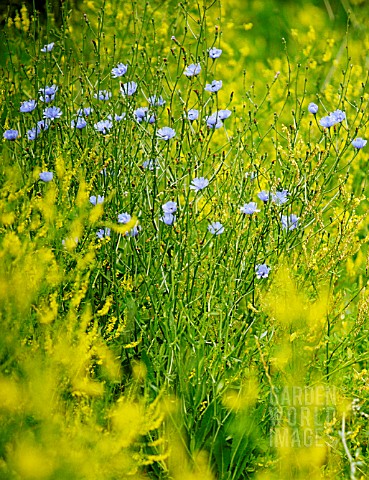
[{"x": 153, "y": 349}]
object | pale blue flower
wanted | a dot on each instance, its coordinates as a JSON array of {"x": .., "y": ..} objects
[
  {"x": 224, "y": 114},
  {"x": 128, "y": 88},
  {"x": 142, "y": 114},
  {"x": 80, "y": 123},
  {"x": 156, "y": 101},
  {"x": 313, "y": 108},
  {"x": 52, "y": 113},
  {"x": 169, "y": 207},
  {"x": 33, "y": 133},
  {"x": 47, "y": 94},
  {"x": 44, "y": 124},
  {"x": 198, "y": 184},
  {"x": 192, "y": 70},
  {"x": 214, "y": 86},
  {"x": 118, "y": 118},
  {"x": 10, "y": 135},
  {"x": 165, "y": 133},
  {"x": 103, "y": 95},
  {"x": 124, "y": 218},
  {"x": 119, "y": 70},
  {"x": 103, "y": 233},
  {"x": 290, "y": 222},
  {"x": 213, "y": 121},
  {"x": 168, "y": 218},
  {"x": 84, "y": 112},
  {"x": 332, "y": 119},
  {"x": 96, "y": 200},
  {"x": 134, "y": 231},
  {"x": 339, "y": 115},
  {"x": 28, "y": 106},
  {"x": 280, "y": 197},
  {"x": 48, "y": 47},
  {"x": 264, "y": 196},
  {"x": 249, "y": 208},
  {"x": 215, "y": 53},
  {"x": 359, "y": 143},
  {"x": 193, "y": 114},
  {"x": 103, "y": 126},
  {"x": 262, "y": 270},
  {"x": 216, "y": 228},
  {"x": 46, "y": 176}
]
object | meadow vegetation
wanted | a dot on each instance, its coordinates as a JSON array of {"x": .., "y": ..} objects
[{"x": 183, "y": 241}]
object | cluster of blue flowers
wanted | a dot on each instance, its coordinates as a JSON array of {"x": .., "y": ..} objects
[{"x": 148, "y": 114}]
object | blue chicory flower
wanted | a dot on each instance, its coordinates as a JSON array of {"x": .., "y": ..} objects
[
  {"x": 192, "y": 70},
  {"x": 142, "y": 114},
  {"x": 119, "y": 71},
  {"x": 47, "y": 94},
  {"x": 119, "y": 118},
  {"x": 33, "y": 133},
  {"x": 128, "y": 88},
  {"x": 214, "y": 86},
  {"x": 28, "y": 106},
  {"x": 52, "y": 113},
  {"x": 96, "y": 200},
  {"x": 124, "y": 218},
  {"x": 249, "y": 208},
  {"x": 213, "y": 121},
  {"x": 262, "y": 270},
  {"x": 264, "y": 196},
  {"x": 103, "y": 126},
  {"x": 48, "y": 47},
  {"x": 103, "y": 232},
  {"x": 198, "y": 184},
  {"x": 165, "y": 133},
  {"x": 169, "y": 207},
  {"x": 290, "y": 222},
  {"x": 192, "y": 114},
  {"x": 103, "y": 95},
  {"x": 84, "y": 112},
  {"x": 280, "y": 197},
  {"x": 313, "y": 108},
  {"x": 156, "y": 101},
  {"x": 44, "y": 124},
  {"x": 224, "y": 114},
  {"x": 168, "y": 218},
  {"x": 80, "y": 123},
  {"x": 332, "y": 119},
  {"x": 216, "y": 228},
  {"x": 46, "y": 176},
  {"x": 10, "y": 135},
  {"x": 215, "y": 53},
  {"x": 359, "y": 143}
]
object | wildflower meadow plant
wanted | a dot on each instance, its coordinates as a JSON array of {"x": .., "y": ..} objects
[
  {"x": 216, "y": 228},
  {"x": 166, "y": 133},
  {"x": 46, "y": 176},
  {"x": 28, "y": 106},
  {"x": 128, "y": 89},
  {"x": 10, "y": 135},
  {"x": 199, "y": 183},
  {"x": 262, "y": 270},
  {"x": 192, "y": 70},
  {"x": 188, "y": 244},
  {"x": 48, "y": 47}
]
